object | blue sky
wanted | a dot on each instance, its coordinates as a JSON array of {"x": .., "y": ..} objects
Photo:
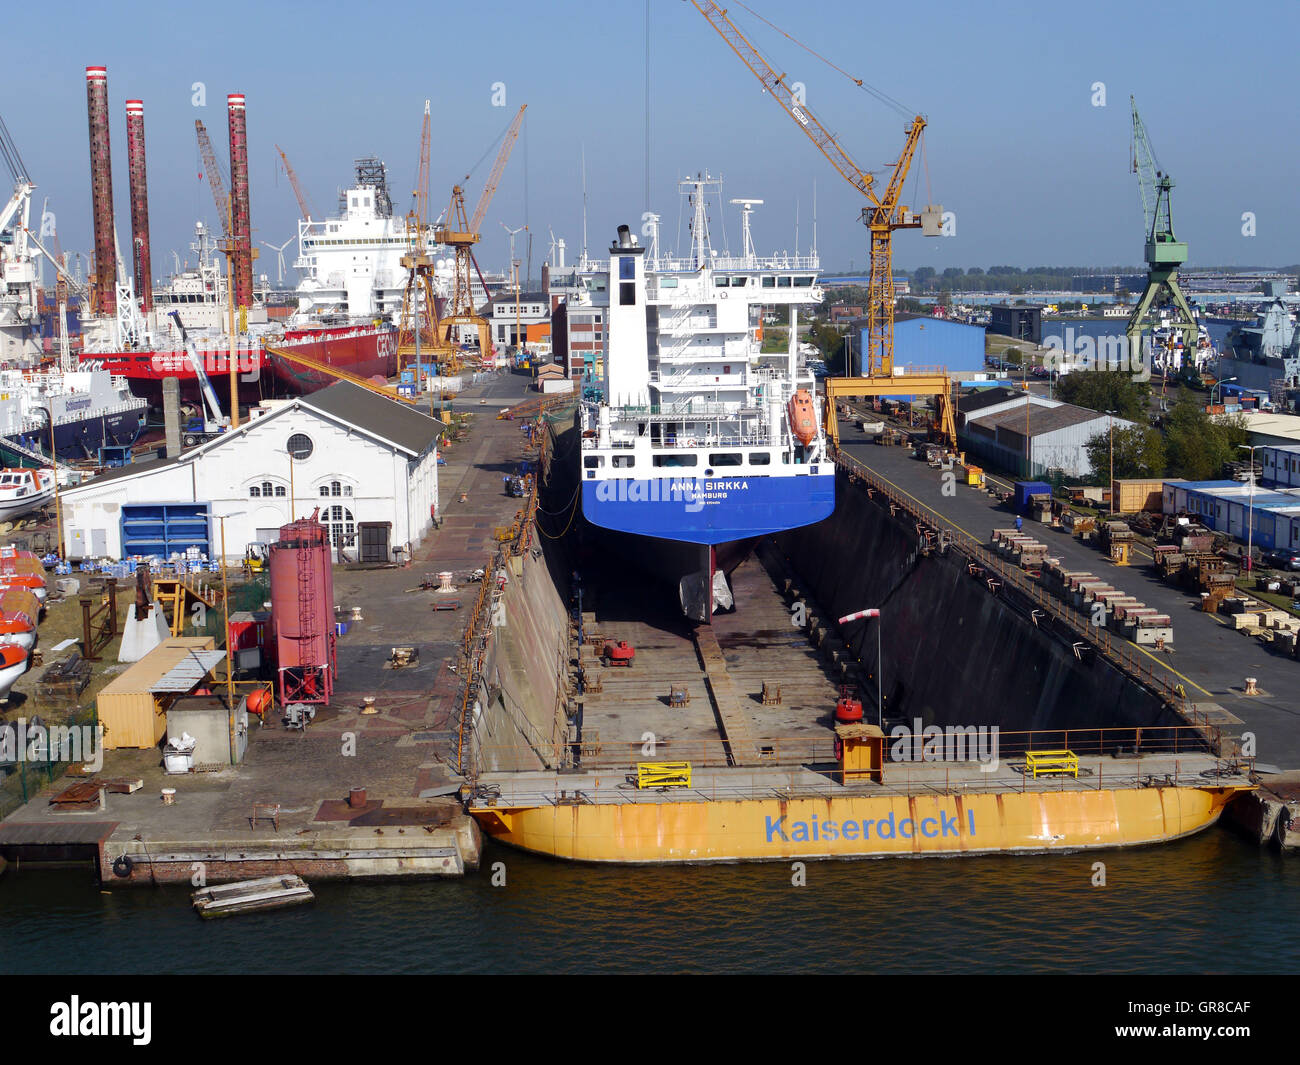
[{"x": 1033, "y": 171}]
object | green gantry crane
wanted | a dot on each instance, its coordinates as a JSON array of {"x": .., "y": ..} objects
[{"x": 1164, "y": 254}]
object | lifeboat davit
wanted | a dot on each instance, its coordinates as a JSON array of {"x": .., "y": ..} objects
[
  {"x": 13, "y": 664},
  {"x": 803, "y": 417}
]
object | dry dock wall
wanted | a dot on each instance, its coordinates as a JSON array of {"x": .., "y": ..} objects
[
  {"x": 522, "y": 697},
  {"x": 954, "y": 653}
]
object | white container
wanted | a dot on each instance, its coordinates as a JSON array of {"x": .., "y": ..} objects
[{"x": 177, "y": 762}]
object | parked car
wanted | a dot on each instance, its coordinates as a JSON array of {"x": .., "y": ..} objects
[{"x": 1282, "y": 558}]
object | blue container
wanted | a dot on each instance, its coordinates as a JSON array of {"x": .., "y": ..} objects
[
  {"x": 1025, "y": 489},
  {"x": 340, "y": 628}
]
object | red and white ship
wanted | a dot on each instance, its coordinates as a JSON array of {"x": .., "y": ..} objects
[{"x": 143, "y": 340}]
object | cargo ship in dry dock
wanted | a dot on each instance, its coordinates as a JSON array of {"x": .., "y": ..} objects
[{"x": 702, "y": 442}]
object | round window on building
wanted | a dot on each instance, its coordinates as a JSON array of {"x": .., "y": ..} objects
[{"x": 299, "y": 446}]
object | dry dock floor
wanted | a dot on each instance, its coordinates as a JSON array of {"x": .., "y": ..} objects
[{"x": 631, "y": 714}]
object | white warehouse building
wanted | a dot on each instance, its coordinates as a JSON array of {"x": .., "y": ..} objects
[{"x": 370, "y": 464}]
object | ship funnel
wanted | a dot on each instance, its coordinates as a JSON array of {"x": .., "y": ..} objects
[
  {"x": 624, "y": 237},
  {"x": 101, "y": 190},
  {"x": 241, "y": 228},
  {"x": 139, "y": 203}
]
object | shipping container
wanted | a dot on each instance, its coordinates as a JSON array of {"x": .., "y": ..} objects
[
  {"x": 1025, "y": 489},
  {"x": 1131, "y": 496},
  {"x": 128, "y": 710}
]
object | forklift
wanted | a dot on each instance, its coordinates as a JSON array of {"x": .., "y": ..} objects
[{"x": 255, "y": 559}]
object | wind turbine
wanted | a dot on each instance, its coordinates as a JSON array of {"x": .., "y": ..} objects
[{"x": 279, "y": 255}]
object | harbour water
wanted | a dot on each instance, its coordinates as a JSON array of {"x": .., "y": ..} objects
[{"x": 1212, "y": 903}]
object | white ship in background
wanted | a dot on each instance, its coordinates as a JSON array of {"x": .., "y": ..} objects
[
  {"x": 20, "y": 323},
  {"x": 351, "y": 266}
]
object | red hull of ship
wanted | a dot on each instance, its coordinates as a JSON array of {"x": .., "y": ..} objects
[{"x": 362, "y": 352}]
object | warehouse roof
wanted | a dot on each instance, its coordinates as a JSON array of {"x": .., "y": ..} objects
[
  {"x": 1041, "y": 420},
  {"x": 399, "y": 423},
  {"x": 987, "y": 397},
  {"x": 129, "y": 470},
  {"x": 395, "y": 423}
]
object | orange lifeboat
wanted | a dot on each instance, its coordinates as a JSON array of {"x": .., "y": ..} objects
[{"x": 803, "y": 417}]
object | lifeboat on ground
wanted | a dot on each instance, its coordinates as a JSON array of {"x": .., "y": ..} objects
[
  {"x": 803, "y": 417},
  {"x": 19, "y": 613},
  {"x": 13, "y": 664},
  {"x": 22, "y": 569}
]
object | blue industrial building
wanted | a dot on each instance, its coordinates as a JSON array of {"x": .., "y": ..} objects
[
  {"x": 928, "y": 342},
  {"x": 1232, "y": 507}
]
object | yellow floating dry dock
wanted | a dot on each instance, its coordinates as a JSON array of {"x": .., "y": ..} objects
[{"x": 860, "y": 806}]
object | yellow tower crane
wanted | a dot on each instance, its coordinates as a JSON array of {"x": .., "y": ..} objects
[
  {"x": 882, "y": 214},
  {"x": 417, "y": 331},
  {"x": 461, "y": 233}
]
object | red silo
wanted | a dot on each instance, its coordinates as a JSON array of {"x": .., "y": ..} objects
[
  {"x": 101, "y": 190},
  {"x": 240, "y": 225},
  {"x": 302, "y": 612},
  {"x": 139, "y": 203}
]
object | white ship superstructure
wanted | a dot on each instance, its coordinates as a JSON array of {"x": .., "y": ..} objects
[
  {"x": 702, "y": 438},
  {"x": 351, "y": 265},
  {"x": 20, "y": 324}
]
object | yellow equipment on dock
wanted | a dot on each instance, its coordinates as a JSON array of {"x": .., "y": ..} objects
[
  {"x": 663, "y": 774},
  {"x": 1039, "y": 762}
]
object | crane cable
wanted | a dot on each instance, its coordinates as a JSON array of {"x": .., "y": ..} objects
[{"x": 880, "y": 95}]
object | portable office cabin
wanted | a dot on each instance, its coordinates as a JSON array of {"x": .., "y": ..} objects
[{"x": 130, "y": 711}]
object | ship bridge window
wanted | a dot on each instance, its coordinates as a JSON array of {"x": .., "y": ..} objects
[
  {"x": 739, "y": 282},
  {"x": 726, "y": 458},
  {"x": 782, "y": 282},
  {"x": 803, "y": 282},
  {"x": 769, "y": 282},
  {"x": 668, "y": 282},
  {"x": 622, "y": 462},
  {"x": 676, "y": 460},
  {"x": 760, "y": 458},
  {"x": 593, "y": 462},
  {"x": 722, "y": 282}
]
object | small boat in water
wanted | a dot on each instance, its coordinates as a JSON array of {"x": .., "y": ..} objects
[
  {"x": 23, "y": 491},
  {"x": 249, "y": 896}
]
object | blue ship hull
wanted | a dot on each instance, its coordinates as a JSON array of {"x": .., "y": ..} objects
[
  {"x": 76, "y": 441},
  {"x": 708, "y": 511}
]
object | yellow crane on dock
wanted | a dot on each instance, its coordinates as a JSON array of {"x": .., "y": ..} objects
[
  {"x": 418, "y": 335},
  {"x": 882, "y": 214},
  {"x": 460, "y": 232}
]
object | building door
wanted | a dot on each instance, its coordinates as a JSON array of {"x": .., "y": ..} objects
[
  {"x": 374, "y": 541},
  {"x": 98, "y": 542}
]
